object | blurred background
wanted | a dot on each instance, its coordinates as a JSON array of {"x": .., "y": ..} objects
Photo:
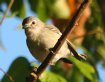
[{"x": 88, "y": 38}]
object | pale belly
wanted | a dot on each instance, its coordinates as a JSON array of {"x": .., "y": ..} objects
[{"x": 40, "y": 53}]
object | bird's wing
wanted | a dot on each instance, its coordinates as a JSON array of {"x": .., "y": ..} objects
[
  {"x": 53, "y": 28},
  {"x": 76, "y": 55},
  {"x": 70, "y": 45}
]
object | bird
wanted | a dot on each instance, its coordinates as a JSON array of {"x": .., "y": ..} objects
[{"x": 41, "y": 37}]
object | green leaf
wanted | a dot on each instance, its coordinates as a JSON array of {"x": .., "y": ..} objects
[
  {"x": 60, "y": 9},
  {"x": 22, "y": 12},
  {"x": 18, "y": 70},
  {"x": 1, "y": 1},
  {"x": 86, "y": 69},
  {"x": 51, "y": 77},
  {"x": 41, "y": 10},
  {"x": 75, "y": 75},
  {"x": 39, "y": 7},
  {"x": 18, "y": 6},
  {"x": 33, "y": 4},
  {"x": 101, "y": 51}
]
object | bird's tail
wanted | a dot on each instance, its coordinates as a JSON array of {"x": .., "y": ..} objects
[{"x": 74, "y": 52}]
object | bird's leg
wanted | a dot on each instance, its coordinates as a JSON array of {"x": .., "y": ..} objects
[
  {"x": 34, "y": 70},
  {"x": 32, "y": 77},
  {"x": 83, "y": 57}
]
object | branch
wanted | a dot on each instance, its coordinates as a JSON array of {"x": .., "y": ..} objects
[
  {"x": 1, "y": 21},
  {"x": 7, "y": 75},
  {"x": 9, "y": 7},
  {"x": 96, "y": 31},
  {"x": 35, "y": 75}
]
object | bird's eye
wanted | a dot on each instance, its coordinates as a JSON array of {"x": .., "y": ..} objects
[{"x": 33, "y": 22}]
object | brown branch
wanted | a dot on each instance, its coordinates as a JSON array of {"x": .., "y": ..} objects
[
  {"x": 61, "y": 40},
  {"x": 9, "y": 7},
  {"x": 7, "y": 75}
]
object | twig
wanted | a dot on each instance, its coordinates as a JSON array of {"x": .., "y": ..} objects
[
  {"x": 1, "y": 21},
  {"x": 87, "y": 34},
  {"x": 9, "y": 7},
  {"x": 7, "y": 75},
  {"x": 61, "y": 40}
]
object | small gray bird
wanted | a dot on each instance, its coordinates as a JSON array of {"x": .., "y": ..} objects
[{"x": 41, "y": 37}]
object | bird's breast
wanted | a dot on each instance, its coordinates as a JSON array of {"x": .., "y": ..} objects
[{"x": 37, "y": 49}]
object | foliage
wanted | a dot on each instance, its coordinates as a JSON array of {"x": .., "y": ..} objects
[
  {"x": 96, "y": 41},
  {"x": 78, "y": 72},
  {"x": 49, "y": 76},
  {"x": 21, "y": 68},
  {"x": 18, "y": 70}
]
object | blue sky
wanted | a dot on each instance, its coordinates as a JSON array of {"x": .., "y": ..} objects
[{"x": 14, "y": 41}]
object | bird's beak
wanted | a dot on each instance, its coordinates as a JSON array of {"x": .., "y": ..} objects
[{"x": 25, "y": 26}]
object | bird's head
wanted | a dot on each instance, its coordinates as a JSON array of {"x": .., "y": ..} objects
[
  {"x": 32, "y": 26},
  {"x": 31, "y": 22}
]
